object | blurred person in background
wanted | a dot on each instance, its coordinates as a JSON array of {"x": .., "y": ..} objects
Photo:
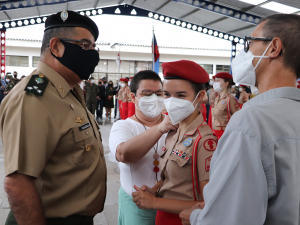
[
  {"x": 244, "y": 96},
  {"x": 100, "y": 99},
  {"x": 109, "y": 99},
  {"x": 91, "y": 90}
]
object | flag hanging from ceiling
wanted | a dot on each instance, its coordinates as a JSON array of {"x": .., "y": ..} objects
[
  {"x": 118, "y": 60},
  {"x": 155, "y": 55}
]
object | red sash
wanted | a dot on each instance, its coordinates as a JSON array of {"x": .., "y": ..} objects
[
  {"x": 166, "y": 218},
  {"x": 210, "y": 118},
  {"x": 203, "y": 111},
  {"x": 219, "y": 133}
]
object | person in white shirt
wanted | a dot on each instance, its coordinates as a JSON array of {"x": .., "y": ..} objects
[
  {"x": 137, "y": 143},
  {"x": 255, "y": 171}
]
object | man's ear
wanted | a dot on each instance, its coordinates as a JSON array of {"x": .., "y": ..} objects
[
  {"x": 276, "y": 48},
  {"x": 56, "y": 47},
  {"x": 133, "y": 99}
]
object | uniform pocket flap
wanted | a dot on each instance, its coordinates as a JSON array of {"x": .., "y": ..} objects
[{"x": 81, "y": 133}]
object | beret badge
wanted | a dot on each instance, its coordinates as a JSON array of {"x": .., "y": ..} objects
[{"x": 64, "y": 15}]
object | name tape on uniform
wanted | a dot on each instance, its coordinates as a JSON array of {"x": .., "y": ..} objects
[{"x": 85, "y": 126}]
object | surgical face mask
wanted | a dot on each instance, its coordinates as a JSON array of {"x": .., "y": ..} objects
[
  {"x": 243, "y": 71},
  {"x": 129, "y": 83},
  {"x": 211, "y": 83},
  {"x": 122, "y": 85},
  {"x": 151, "y": 106},
  {"x": 217, "y": 87},
  {"x": 240, "y": 89},
  {"x": 80, "y": 61},
  {"x": 179, "y": 109},
  {"x": 7, "y": 80}
]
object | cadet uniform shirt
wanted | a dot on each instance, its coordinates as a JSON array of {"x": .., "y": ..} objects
[
  {"x": 212, "y": 96},
  {"x": 220, "y": 113},
  {"x": 176, "y": 160},
  {"x": 124, "y": 94},
  {"x": 56, "y": 140},
  {"x": 254, "y": 175}
]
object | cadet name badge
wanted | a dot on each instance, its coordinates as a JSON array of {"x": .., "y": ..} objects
[{"x": 37, "y": 85}]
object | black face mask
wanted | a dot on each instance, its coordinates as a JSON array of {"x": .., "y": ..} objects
[
  {"x": 110, "y": 84},
  {"x": 80, "y": 61},
  {"x": 100, "y": 83},
  {"x": 104, "y": 82},
  {"x": 15, "y": 76}
]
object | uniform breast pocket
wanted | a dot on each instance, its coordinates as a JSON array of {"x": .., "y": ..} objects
[
  {"x": 179, "y": 160},
  {"x": 222, "y": 107},
  {"x": 84, "y": 151}
]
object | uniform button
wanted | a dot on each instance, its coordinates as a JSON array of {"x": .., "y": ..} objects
[
  {"x": 88, "y": 147},
  {"x": 86, "y": 133}
]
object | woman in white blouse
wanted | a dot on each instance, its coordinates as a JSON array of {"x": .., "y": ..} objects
[{"x": 137, "y": 143}]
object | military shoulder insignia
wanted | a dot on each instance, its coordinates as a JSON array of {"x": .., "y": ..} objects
[
  {"x": 210, "y": 144},
  {"x": 37, "y": 85},
  {"x": 187, "y": 142}
]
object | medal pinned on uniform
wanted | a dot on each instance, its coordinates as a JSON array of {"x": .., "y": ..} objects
[
  {"x": 188, "y": 142},
  {"x": 64, "y": 15},
  {"x": 88, "y": 147},
  {"x": 79, "y": 120}
]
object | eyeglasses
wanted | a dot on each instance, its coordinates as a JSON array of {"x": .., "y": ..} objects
[
  {"x": 147, "y": 92},
  {"x": 248, "y": 41},
  {"x": 84, "y": 43}
]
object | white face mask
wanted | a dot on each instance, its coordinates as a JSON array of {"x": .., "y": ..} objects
[
  {"x": 254, "y": 90},
  {"x": 211, "y": 83},
  {"x": 7, "y": 80},
  {"x": 241, "y": 89},
  {"x": 129, "y": 83},
  {"x": 122, "y": 85},
  {"x": 243, "y": 71},
  {"x": 217, "y": 87},
  {"x": 179, "y": 109},
  {"x": 151, "y": 106}
]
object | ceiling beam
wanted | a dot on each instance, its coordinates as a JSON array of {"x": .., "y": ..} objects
[
  {"x": 7, "y": 15},
  {"x": 240, "y": 29},
  {"x": 96, "y": 4},
  {"x": 38, "y": 11},
  {"x": 133, "y": 2},
  {"x": 163, "y": 5},
  {"x": 190, "y": 13},
  {"x": 121, "y": 1},
  {"x": 216, "y": 21}
]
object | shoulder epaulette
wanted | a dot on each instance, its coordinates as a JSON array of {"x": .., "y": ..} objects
[{"x": 37, "y": 85}]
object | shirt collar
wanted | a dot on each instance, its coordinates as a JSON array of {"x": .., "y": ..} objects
[
  {"x": 192, "y": 128},
  {"x": 61, "y": 85},
  {"x": 283, "y": 92}
]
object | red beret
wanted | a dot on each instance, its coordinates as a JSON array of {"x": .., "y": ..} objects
[
  {"x": 241, "y": 85},
  {"x": 223, "y": 75},
  {"x": 131, "y": 77},
  {"x": 185, "y": 69},
  {"x": 214, "y": 77},
  {"x": 298, "y": 81},
  {"x": 298, "y": 86},
  {"x": 124, "y": 79}
]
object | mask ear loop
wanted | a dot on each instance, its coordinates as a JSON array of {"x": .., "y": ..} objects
[
  {"x": 195, "y": 100},
  {"x": 263, "y": 56}
]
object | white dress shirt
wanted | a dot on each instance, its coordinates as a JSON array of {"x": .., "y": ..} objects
[{"x": 255, "y": 170}]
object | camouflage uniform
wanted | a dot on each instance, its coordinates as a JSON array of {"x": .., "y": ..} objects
[
  {"x": 9, "y": 87},
  {"x": 91, "y": 97}
]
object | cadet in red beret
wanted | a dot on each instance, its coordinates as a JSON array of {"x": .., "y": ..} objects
[
  {"x": 124, "y": 94},
  {"x": 131, "y": 106},
  {"x": 186, "y": 157},
  {"x": 225, "y": 103}
]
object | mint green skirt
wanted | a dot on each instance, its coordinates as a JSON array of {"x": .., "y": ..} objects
[{"x": 130, "y": 214}]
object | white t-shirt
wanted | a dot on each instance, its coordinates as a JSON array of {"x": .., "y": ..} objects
[{"x": 141, "y": 172}]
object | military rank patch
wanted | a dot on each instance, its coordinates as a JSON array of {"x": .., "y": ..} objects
[
  {"x": 210, "y": 144},
  {"x": 207, "y": 163},
  {"x": 37, "y": 85},
  {"x": 187, "y": 142},
  {"x": 180, "y": 154}
]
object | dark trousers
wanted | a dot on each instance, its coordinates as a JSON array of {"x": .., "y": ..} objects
[
  {"x": 70, "y": 220},
  {"x": 100, "y": 104},
  {"x": 207, "y": 112},
  {"x": 116, "y": 108}
]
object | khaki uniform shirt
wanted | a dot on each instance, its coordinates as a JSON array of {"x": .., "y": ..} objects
[
  {"x": 48, "y": 142},
  {"x": 212, "y": 96},
  {"x": 220, "y": 110},
  {"x": 126, "y": 94},
  {"x": 176, "y": 158},
  {"x": 120, "y": 94}
]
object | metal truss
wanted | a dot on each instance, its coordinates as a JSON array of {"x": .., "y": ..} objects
[
  {"x": 9, "y": 5},
  {"x": 127, "y": 10},
  {"x": 222, "y": 10}
]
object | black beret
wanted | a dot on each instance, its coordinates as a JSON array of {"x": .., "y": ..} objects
[{"x": 71, "y": 19}]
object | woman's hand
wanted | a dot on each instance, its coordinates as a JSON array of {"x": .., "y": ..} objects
[
  {"x": 166, "y": 125},
  {"x": 185, "y": 215},
  {"x": 143, "y": 198}
]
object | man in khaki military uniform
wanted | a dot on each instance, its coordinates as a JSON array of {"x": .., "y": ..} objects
[
  {"x": 10, "y": 85},
  {"x": 91, "y": 90},
  {"x": 54, "y": 163}
]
